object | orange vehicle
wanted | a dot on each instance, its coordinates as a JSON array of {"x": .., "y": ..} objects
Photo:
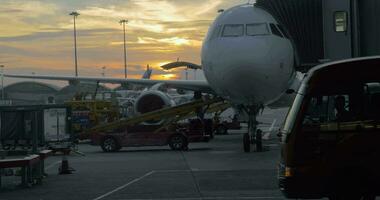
[{"x": 177, "y": 136}]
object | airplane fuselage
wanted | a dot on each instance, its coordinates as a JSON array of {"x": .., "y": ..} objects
[{"x": 243, "y": 59}]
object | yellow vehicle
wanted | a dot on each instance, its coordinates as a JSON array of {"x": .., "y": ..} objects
[
  {"x": 89, "y": 113},
  {"x": 331, "y": 136}
]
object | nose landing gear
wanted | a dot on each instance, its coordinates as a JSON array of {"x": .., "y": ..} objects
[{"x": 254, "y": 135}]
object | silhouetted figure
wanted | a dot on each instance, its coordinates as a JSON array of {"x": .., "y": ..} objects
[{"x": 342, "y": 114}]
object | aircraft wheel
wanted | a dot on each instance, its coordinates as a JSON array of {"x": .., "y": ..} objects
[
  {"x": 110, "y": 144},
  {"x": 246, "y": 143}
]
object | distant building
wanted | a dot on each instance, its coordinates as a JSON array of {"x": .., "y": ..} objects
[
  {"x": 81, "y": 90},
  {"x": 37, "y": 93},
  {"x": 30, "y": 93}
]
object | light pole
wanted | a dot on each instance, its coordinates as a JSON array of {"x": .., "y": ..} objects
[
  {"x": 124, "y": 22},
  {"x": 75, "y": 15},
  {"x": 2, "y": 81},
  {"x": 104, "y": 71}
]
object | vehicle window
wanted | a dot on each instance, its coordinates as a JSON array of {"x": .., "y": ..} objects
[
  {"x": 328, "y": 120},
  {"x": 292, "y": 114},
  {"x": 372, "y": 101},
  {"x": 257, "y": 29},
  {"x": 275, "y": 30},
  {"x": 233, "y": 30},
  {"x": 325, "y": 109}
]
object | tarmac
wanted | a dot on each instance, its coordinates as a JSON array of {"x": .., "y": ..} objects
[{"x": 218, "y": 170}]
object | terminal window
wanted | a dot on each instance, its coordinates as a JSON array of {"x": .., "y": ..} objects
[{"x": 340, "y": 18}]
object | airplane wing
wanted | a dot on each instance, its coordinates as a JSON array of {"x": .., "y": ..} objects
[{"x": 193, "y": 85}]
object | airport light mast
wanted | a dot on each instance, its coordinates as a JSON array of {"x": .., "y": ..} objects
[
  {"x": 2, "y": 81},
  {"x": 75, "y": 15},
  {"x": 124, "y": 22},
  {"x": 104, "y": 71}
]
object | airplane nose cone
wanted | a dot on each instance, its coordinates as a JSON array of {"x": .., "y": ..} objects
[{"x": 244, "y": 72}]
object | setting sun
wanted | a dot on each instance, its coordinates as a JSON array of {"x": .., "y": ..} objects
[{"x": 169, "y": 76}]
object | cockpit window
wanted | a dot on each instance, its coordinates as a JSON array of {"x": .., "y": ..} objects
[
  {"x": 233, "y": 30},
  {"x": 275, "y": 30},
  {"x": 257, "y": 29},
  {"x": 217, "y": 31},
  {"x": 284, "y": 32},
  {"x": 214, "y": 32}
]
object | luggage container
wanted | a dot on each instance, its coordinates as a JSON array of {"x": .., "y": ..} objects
[{"x": 35, "y": 126}]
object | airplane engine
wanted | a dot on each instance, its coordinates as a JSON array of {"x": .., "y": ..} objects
[{"x": 152, "y": 100}]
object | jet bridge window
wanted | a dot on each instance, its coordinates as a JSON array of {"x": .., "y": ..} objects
[
  {"x": 257, "y": 29},
  {"x": 340, "y": 19},
  {"x": 233, "y": 30}
]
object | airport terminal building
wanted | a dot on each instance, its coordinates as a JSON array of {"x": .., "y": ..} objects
[
  {"x": 38, "y": 93},
  {"x": 30, "y": 93}
]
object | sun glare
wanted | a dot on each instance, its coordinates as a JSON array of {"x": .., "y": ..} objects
[
  {"x": 169, "y": 76},
  {"x": 180, "y": 41}
]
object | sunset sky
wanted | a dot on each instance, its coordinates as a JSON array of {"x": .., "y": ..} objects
[{"x": 37, "y": 36}]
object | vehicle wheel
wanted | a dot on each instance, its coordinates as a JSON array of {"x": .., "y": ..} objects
[
  {"x": 110, "y": 144},
  {"x": 178, "y": 142},
  {"x": 221, "y": 130},
  {"x": 246, "y": 143}
]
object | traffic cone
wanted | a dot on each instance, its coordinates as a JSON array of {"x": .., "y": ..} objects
[{"x": 65, "y": 168}]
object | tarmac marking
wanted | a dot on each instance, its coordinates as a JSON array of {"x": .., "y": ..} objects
[
  {"x": 213, "y": 198},
  {"x": 270, "y": 131},
  {"x": 222, "y": 152},
  {"x": 125, "y": 185},
  {"x": 52, "y": 165},
  {"x": 200, "y": 170}
]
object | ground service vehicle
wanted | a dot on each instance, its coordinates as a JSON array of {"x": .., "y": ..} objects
[
  {"x": 90, "y": 113},
  {"x": 331, "y": 136},
  {"x": 177, "y": 136},
  {"x": 222, "y": 126}
]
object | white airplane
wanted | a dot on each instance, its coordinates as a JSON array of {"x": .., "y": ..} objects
[{"x": 247, "y": 59}]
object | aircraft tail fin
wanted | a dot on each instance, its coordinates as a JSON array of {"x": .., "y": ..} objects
[{"x": 147, "y": 73}]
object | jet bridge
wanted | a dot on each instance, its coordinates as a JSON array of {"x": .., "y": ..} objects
[{"x": 328, "y": 30}]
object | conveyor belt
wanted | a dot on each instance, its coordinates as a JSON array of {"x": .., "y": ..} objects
[{"x": 172, "y": 114}]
